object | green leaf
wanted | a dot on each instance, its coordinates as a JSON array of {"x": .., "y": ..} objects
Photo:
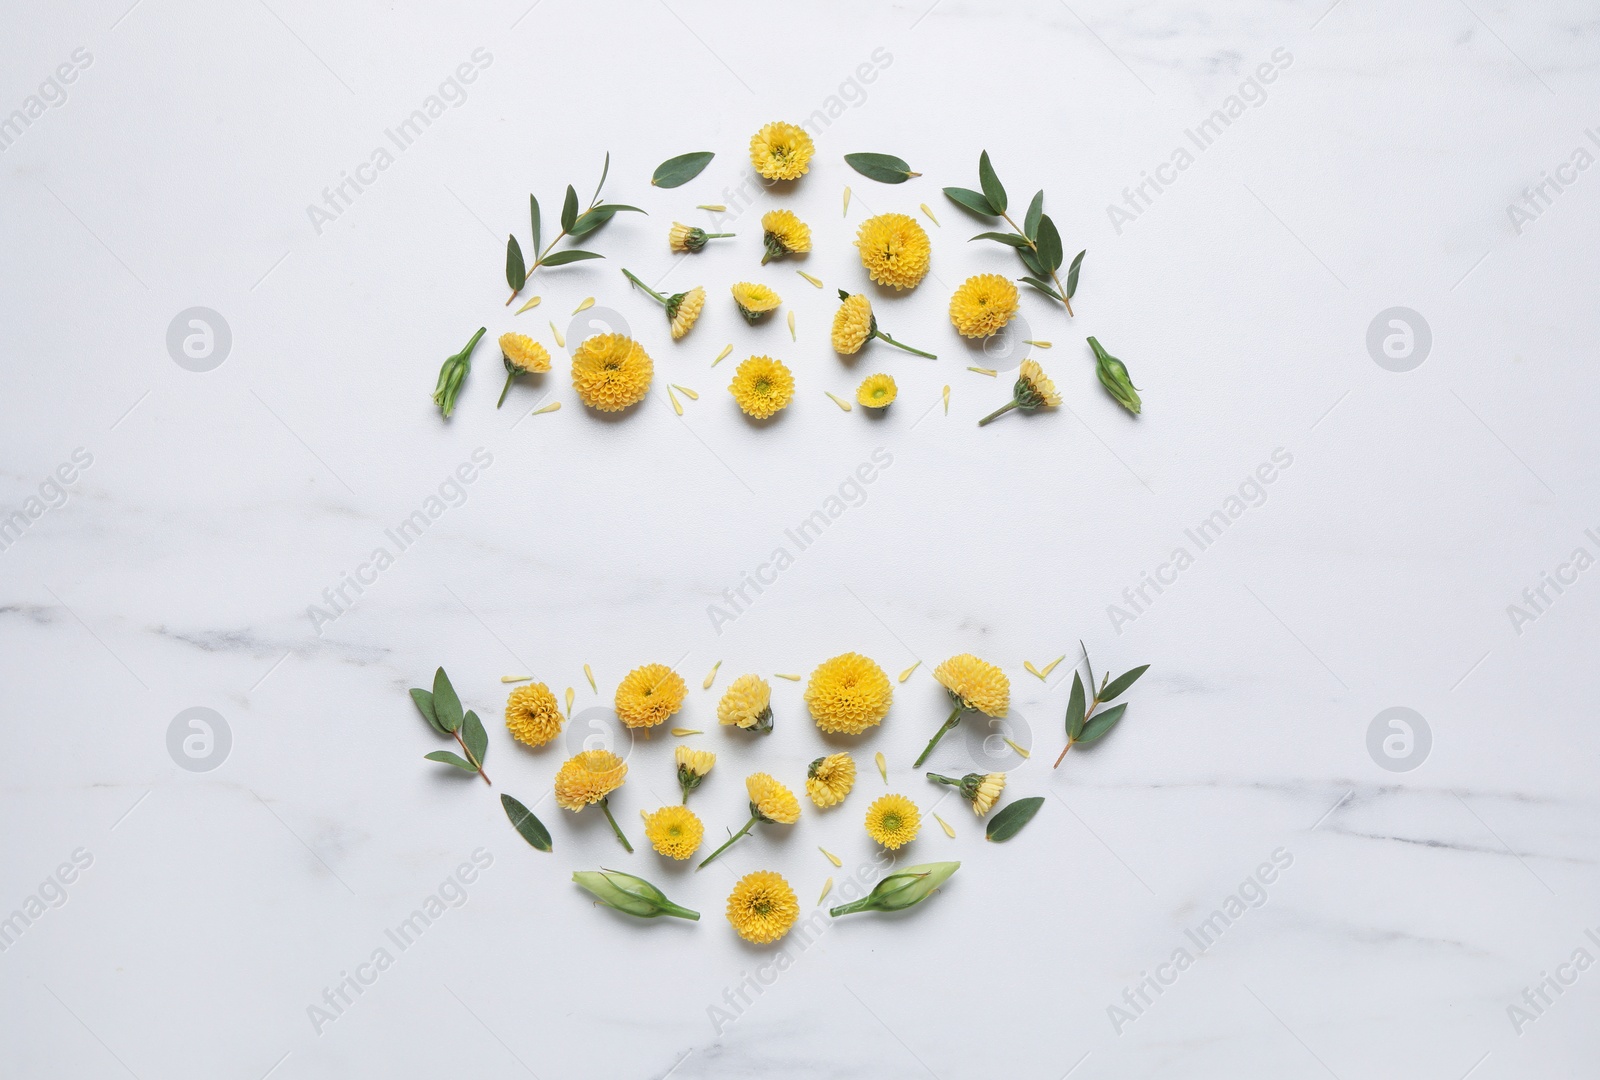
[
  {"x": 1101, "y": 723},
  {"x": 598, "y": 216},
  {"x": 1075, "y": 705},
  {"x": 1009, "y": 821},
  {"x": 424, "y": 702},
  {"x": 884, "y": 168},
  {"x": 1030, "y": 259},
  {"x": 522, "y": 819},
  {"x": 972, "y": 200},
  {"x": 1072, "y": 273},
  {"x": 446, "y": 706},
  {"x": 675, "y": 172},
  {"x": 992, "y": 189},
  {"x": 605, "y": 170},
  {"x": 1011, "y": 238},
  {"x": 516, "y": 269},
  {"x": 1049, "y": 244},
  {"x": 533, "y": 212},
  {"x": 1030, "y": 224},
  {"x": 475, "y": 737},
  {"x": 1122, "y": 682},
  {"x": 447, "y": 758},
  {"x": 561, "y": 258},
  {"x": 569, "y": 210},
  {"x": 1042, "y": 286}
]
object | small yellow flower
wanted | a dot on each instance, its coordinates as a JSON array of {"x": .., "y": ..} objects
[
  {"x": 877, "y": 391},
  {"x": 853, "y": 325},
  {"x": 982, "y": 305},
  {"x": 975, "y": 684},
  {"x": 893, "y": 821},
  {"x": 674, "y": 831},
  {"x": 589, "y": 778},
  {"x": 611, "y": 372},
  {"x": 784, "y": 234},
  {"x": 829, "y": 779},
  {"x": 762, "y": 907},
  {"x": 848, "y": 694},
  {"x": 532, "y": 715},
  {"x": 762, "y": 386},
  {"x": 781, "y": 151},
  {"x": 523, "y": 354},
  {"x": 696, "y": 762},
  {"x": 988, "y": 792},
  {"x": 683, "y": 309},
  {"x": 894, "y": 249},
  {"x": 747, "y": 703},
  {"x": 754, "y": 300},
  {"x": 770, "y": 800},
  {"x": 683, "y": 237},
  {"x": 649, "y": 695},
  {"x": 1039, "y": 385}
]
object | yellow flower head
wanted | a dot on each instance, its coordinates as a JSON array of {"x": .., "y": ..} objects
[
  {"x": 848, "y": 694},
  {"x": 987, "y": 792},
  {"x": 983, "y": 304},
  {"x": 762, "y": 386},
  {"x": 853, "y": 324},
  {"x": 1034, "y": 387},
  {"x": 762, "y": 907},
  {"x": 674, "y": 831},
  {"x": 611, "y": 372},
  {"x": 829, "y": 779},
  {"x": 523, "y": 355},
  {"x": 695, "y": 762},
  {"x": 781, "y": 151},
  {"x": 893, "y": 821},
  {"x": 532, "y": 715},
  {"x": 894, "y": 249},
  {"x": 683, "y": 237},
  {"x": 588, "y": 778},
  {"x": 754, "y": 300},
  {"x": 876, "y": 391},
  {"x": 683, "y": 309},
  {"x": 975, "y": 684},
  {"x": 649, "y": 695},
  {"x": 770, "y": 800},
  {"x": 784, "y": 234},
  {"x": 747, "y": 704}
]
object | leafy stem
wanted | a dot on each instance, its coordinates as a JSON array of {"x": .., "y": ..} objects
[
  {"x": 729, "y": 843},
  {"x": 605, "y": 805},
  {"x": 955, "y": 718},
  {"x": 471, "y": 758},
  {"x": 1055, "y": 275}
]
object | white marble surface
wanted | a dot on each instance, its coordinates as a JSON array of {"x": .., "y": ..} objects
[{"x": 177, "y": 568}]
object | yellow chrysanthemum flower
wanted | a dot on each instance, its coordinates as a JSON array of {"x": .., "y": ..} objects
[
  {"x": 893, "y": 821},
  {"x": 988, "y": 792},
  {"x": 754, "y": 300},
  {"x": 783, "y": 234},
  {"x": 975, "y": 684},
  {"x": 762, "y": 386},
  {"x": 611, "y": 372},
  {"x": 829, "y": 779},
  {"x": 770, "y": 800},
  {"x": 894, "y": 249},
  {"x": 848, "y": 694},
  {"x": 522, "y": 356},
  {"x": 696, "y": 762},
  {"x": 762, "y": 907},
  {"x": 683, "y": 238},
  {"x": 1039, "y": 384},
  {"x": 747, "y": 703},
  {"x": 674, "y": 831},
  {"x": 685, "y": 311},
  {"x": 781, "y": 151},
  {"x": 853, "y": 325},
  {"x": 589, "y": 778},
  {"x": 649, "y": 695},
  {"x": 532, "y": 714},
  {"x": 877, "y": 391},
  {"x": 982, "y": 305}
]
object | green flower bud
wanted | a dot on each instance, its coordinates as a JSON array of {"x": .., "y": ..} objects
[
  {"x": 1114, "y": 377},
  {"x": 453, "y": 374},
  {"x": 630, "y": 895},
  {"x": 902, "y": 889}
]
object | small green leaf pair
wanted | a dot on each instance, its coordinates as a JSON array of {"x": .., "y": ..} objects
[
  {"x": 573, "y": 224},
  {"x": 884, "y": 168},
  {"x": 442, "y": 710},
  {"x": 1083, "y": 726},
  {"x": 1037, "y": 241}
]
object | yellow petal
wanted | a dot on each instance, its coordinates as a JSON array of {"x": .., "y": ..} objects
[
  {"x": 570, "y": 696},
  {"x": 1051, "y": 666},
  {"x": 984, "y": 371},
  {"x": 815, "y": 281},
  {"x": 712, "y": 677},
  {"x": 847, "y": 200},
  {"x": 791, "y": 678},
  {"x": 843, "y": 404},
  {"x": 586, "y": 305},
  {"x": 834, "y": 859},
  {"x": 676, "y": 407},
  {"x": 686, "y": 392},
  {"x": 906, "y": 674},
  {"x": 1017, "y": 748},
  {"x": 945, "y": 825},
  {"x": 515, "y": 678},
  {"x": 827, "y": 887},
  {"x": 883, "y": 766},
  {"x": 715, "y": 208},
  {"x": 680, "y": 732},
  {"x": 554, "y": 406},
  {"x": 947, "y": 401},
  {"x": 791, "y": 327},
  {"x": 1036, "y": 344},
  {"x": 561, "y": 341},
  {"x": 590, "y": 675},
  {"x": 723, "y": 355},
  {"x": 1033, "y": 670},
  {"x": 532, "y": 303},
  {"x": 931, "y": 218}
]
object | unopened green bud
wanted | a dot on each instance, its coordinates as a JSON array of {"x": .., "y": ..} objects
[
  {"x": 902, "y": 889},
  {"x": 1114, "y": 377},
  {"x": 630, "y": 895},
  {"x": 453, "y": 373}
]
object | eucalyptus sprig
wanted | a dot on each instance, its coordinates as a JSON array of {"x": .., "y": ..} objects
[
  {"x": 1036, "y": 240},
  {"x": 452, "y": 374},
  {"x": 573, "y": 224},
  {"x": 1083, "y": 726},
  {"x": 442, "y": 710}
]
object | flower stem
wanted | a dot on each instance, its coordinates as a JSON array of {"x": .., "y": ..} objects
[
  {"x": 605, "y": 804},
  {"x": 658, "y": 297},
  {"x": 907, "y": 348},
  {"x": 936, "y": 778},
  {"x": 716, "y": 235},
  {"x": 866, "y": 903},
  {"x": 1007, "y": 407},
  {"x": 955, "y": 718},
  {"x": 729, "y": 844},
  {"x": 668, "y": 908},
  {"x": 510, "y": 375},
  {"x": 474, "y": 761}
]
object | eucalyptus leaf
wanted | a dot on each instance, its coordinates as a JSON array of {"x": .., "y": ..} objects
[
  {"x": 1122, "y": 682},
  {"x": 516, "y": 269},
  {"x": 1101, "y": 723},
  {"x": 597, "y": 216},
  {"x": 447, "y": 758},
  {"x": 972, "y": 200},
  {"x": 1042, "y": 286},
  {"x": 992, "y": 189},
  {"x": 605, "y": 171},
  {"x": 1005, "y": 238},
  {"x": 884, "y": 168},
  {"x": 475, "y": 738},
  {"x": 424, "y": 702},
  {"x": 561, "y": 258},
  {"x": 675, "y": 172},
  {"x": 1030, "y": 224},
  {"x": 1049, "y": 244},
  {"x": 1009, "y": 821},
  {"x": 533, "y": 212},
  {"x": 522, "y": 819},
  {"x": 1072, "y": 273},
  {"x": 446, "y": 705},
  {"x": 1030, "y": 259},
  {"x": 569, "y": 210},
  {"x": 1075, "y": 706}
]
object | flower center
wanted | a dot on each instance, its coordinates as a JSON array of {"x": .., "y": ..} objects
[
  {"x": 763, "y": 385},
  {"x": 891, "y": 822},
  {"x": 762, "y": 907}
]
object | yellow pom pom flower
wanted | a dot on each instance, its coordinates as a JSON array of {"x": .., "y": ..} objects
[
  {"x": 1032, "y": 390},
  {"x": 682, "y": 308},
  {"x": 972, "y": 684},
  {"x": 877, "y": 392},
  {"x": 754, "y": 300},
  {"x": 689, "y": 238},
  {"x": 693, "y": 765},
  {"x": 762, "y": 386},
  {"x": 674, "y": 831},
  {"x": 762, "y": 907},
  {"x": 747, "y": 704},
  {"x": 781, "y": 151},
  {"x": 611, "y": 372},
  {"x": 522, "y": 356},
  {"x": 591, "y": 777},
  {"x": 894, "y": 249},
  {"x": 854, "y": 325},
  {"x": 648, "y": 695},
  {"x": 532, "y": 715},
  {"x": 829, "y": 779},
  {"x": 783, "y": 234},
  {"x": 982, "y": 305},
  {"x": 848, "y": 694},
  {"x": 893, "y": 821},
  {"x": 770, "y": 801}
]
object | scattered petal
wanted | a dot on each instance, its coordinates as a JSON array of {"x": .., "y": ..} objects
[
  {"x": 1033, "y": 670},
  {"x": 712, "y": 677},
  {"x": 947, "y": 401},
  {"x": 570, "y": 696},
  {"x": 1051, "y": 666},
  {"x": 585, "y": 306},
  {"x": 680, "y": 732},
  {"x": 834, "y": 859},
  {"x": 590, "y": 675},
  {"x": 515, "y": 678},
  {"x": 945, "y": 825},
  {"x": 984, "y": 371},
  {"x": 883, "y": 766},
  {"x": 906, "y": 674},
  {"x": 532, "y": 303},
  {"x": 791, "y": 327},
  {"x": 791, "y": 678},
  {"x": 1017, "y": 748},
  {"x": 723, "y": 355},
  {"x": 815, "y": 281},
  {"x": 554, "y": 406},
  {"x": 686, "y": 392},
  {"x": 843, "y": 404},
  {"x": 676, "y": 407},
  {"x": 827, "y": 887},
  {"x": 561, "y": 341},
  {"x": 715, "y": 208},
  {"x": 846, "y": 200},
  {"x": 931, "y": 218},
  {"x": 1036, "y": 344}
]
